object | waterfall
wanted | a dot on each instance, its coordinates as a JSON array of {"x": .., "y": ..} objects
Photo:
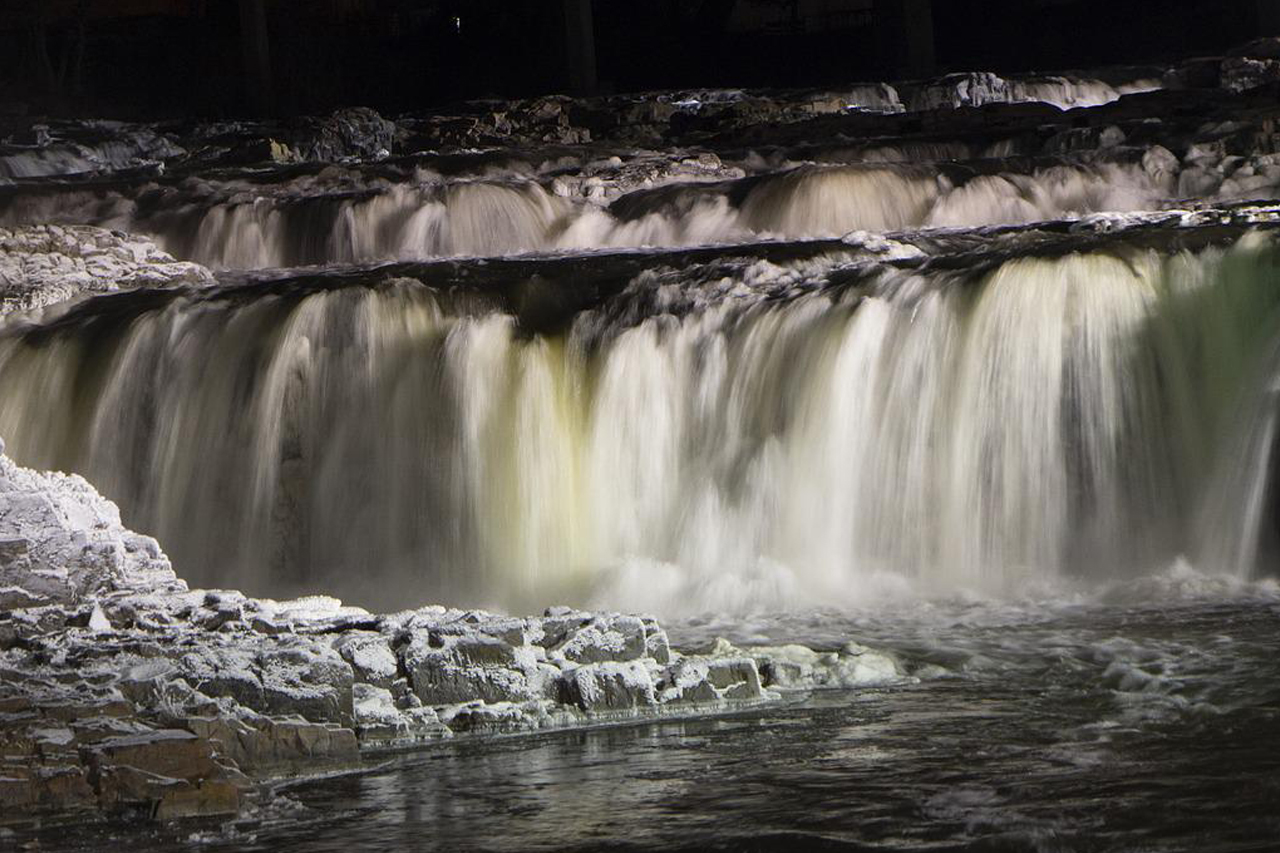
[
  {"x": 752, "y": 435},
  {"x": 351, "y": 218}
]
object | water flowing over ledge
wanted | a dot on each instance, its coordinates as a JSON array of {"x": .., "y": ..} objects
[
  {"x": 899, "y": 403},
  {"x": 685, "y": 431}
]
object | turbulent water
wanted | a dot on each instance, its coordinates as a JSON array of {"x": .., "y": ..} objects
[
  {"x": 721, "y": 434},
  {"x": 347, "y": 216}
]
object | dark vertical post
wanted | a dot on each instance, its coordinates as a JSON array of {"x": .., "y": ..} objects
[
  {"x": 43, "y": 66},
  {"x": 257, "y": 55},
  {"x": 580, "y": 46},
  {"x": 904, "y": 32},
  {"x": 77, "y": 58}
]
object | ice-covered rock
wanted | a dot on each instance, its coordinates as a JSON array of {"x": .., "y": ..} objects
[
  {"x": 347, "y": 133},
  {"x": 62, "y": 542},
  {"x": 123, "y": 691},
  {"x": 41, "y": 265},
  {"x": 797, "y": 667},
  {"x": 970, "y": 89},
  {"x": 446, "y": 668},
  {"x": 71, "y": 148},
  {"x": 609, "y": 687}
]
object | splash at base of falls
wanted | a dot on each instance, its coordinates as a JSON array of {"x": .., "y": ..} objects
[{"x": 704, "y": 431}]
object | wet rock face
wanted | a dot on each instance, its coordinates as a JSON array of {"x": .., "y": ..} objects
[
  {"x": 123, "y": 692},
  {"x": 358, "y": 132},
  {"x": 41, "y": 265}
]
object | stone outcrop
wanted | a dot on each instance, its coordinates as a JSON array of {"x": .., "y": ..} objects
[
  {"x": 41, "y": 265},
  {"x": 124, "y": 692},
  {"x": 357, "y": 132},
  {"x": 1251, "y": 65}
]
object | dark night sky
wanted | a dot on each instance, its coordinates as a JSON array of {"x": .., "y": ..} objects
[{"x": 397, "y": 55}]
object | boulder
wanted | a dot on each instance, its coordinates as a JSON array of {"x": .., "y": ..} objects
[
  {"x": 609, "y": 687},
  {"x": 356, "y": 132},
  {"x": 370, "y": 656},
  {"x": 447, "y": 669}
]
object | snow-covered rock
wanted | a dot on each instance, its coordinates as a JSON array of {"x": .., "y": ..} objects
[
  {"x": 797, "y": 667},
  {"x": 41, "y": 265},
  {"x": 122, "y": 690},
  {"x": 61, "y": 542}
]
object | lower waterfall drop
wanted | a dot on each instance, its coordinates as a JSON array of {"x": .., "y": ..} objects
[{"x": 691, "y": 441}]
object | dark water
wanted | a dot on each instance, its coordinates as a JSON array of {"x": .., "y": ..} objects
[{"x": 1066, "y": 729}]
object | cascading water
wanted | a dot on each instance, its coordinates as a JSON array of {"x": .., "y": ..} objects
[
  {"x": 353, "y": 219},
  {"x": 725, "y": 435},
  {"x": 949, "y": 410}
]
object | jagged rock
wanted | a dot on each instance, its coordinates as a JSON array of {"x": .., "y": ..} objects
[
  {"x": 73, "y": 541},
  {"x": 308, "y": 679},
  {"x": 166, "y": 752},
  {"x": 120, "y": 690},
  {"x": 347, "y": 133},
  {"x": 259, "y": 743},
  {"x": 1085, "y": 139},
  {"x": 714, "y": 679},
  {"x": 602, "y": 638},
  {"x": 31, "y": 789},
  {"x": 480, "y": 718},
  {"x": 168, "y": 773},
  {"x": 79, "y": 148},
  {"x": 379, "y": 719},
  {"x": 1263, "y": 48},
  {"x": 956, "y": 90},
  {"x": 41, "y": 265},
  {"x": 281, "y": 676}
]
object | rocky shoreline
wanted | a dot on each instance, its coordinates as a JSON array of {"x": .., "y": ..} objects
[{"x": 124, "y": 693}]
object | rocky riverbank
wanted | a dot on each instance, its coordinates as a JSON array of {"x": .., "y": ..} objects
[{"x": 126, "y": 693}]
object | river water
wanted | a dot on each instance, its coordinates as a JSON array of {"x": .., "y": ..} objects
[{"x": 1033, "y": 727}]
